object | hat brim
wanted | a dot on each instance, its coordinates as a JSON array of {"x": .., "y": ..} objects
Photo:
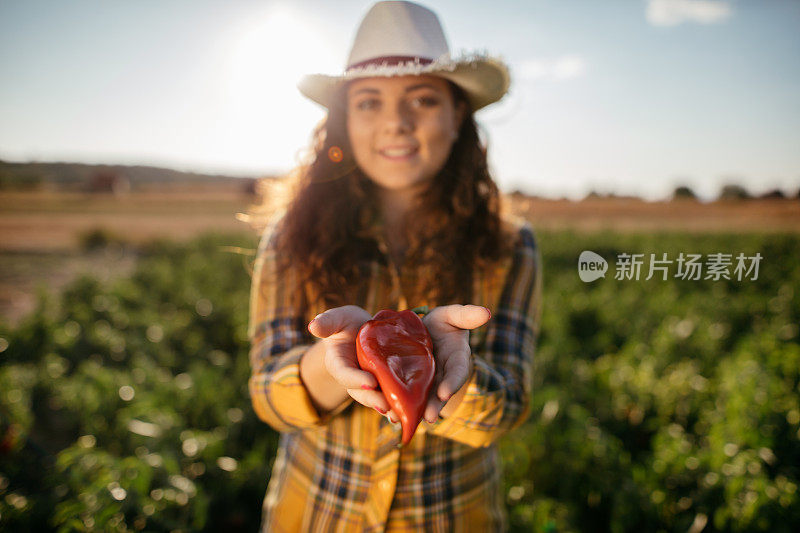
[{"x": 484, "y": 79}]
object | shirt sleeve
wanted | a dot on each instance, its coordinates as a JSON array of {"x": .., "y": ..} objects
[
  {"x": 497, "y": 399},
  {"x": 278, "y": 339}
]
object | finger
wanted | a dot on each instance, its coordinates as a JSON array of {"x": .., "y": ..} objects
[
  {"x": 342, "y": 366},
  {"x": 371, "y": 399},
  {"x": 438, "y": 374},
  {"x": 434, "y": 405},
  {"x": 456, "y": 373},
  {"x": 463, "y": 316},
  {"x": 322, "y": 326},
  {"x": 432, "y": 409},
  {"x": 347, "y": 319}
]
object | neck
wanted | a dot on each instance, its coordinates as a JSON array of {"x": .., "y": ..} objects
[{"x": 396, "y": 207}]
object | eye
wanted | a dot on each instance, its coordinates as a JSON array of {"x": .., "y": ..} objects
[
  {"x": 424, "y": 101},
  {"x": 367, "y": 104}
]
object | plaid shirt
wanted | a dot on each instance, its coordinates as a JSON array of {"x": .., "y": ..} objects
[{"x": 343, "y": 471}]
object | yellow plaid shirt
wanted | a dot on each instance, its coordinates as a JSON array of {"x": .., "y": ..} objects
[{"x": 344, "y": 472}]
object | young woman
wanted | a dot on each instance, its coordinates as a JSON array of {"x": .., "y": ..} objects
[{"x": 395, "y": 210}]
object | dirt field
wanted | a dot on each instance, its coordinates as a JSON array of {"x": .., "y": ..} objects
[
  {"x": 41, "y": 233},
  {"x": 626, "y": 215},
  {"x": 50, "y": 222},
  {"x": 53, "y": 222}
]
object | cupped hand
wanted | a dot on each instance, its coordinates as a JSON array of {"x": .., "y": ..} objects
[
  {"x": 338, "y": 328},
  {"x": 449, "y": 327}
]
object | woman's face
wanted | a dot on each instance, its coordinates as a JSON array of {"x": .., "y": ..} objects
[{"x": 401, "y": 129}]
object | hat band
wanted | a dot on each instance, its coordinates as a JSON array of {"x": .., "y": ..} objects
[{"x": 390, "y": 61}]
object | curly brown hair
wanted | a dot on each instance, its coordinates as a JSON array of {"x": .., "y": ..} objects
[{"x": 455, "y": 229}]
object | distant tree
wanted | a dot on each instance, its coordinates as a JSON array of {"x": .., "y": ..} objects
[
  {"x": 19, "y": 177},
  {"x": 733, "y": 192},
  {"x": 683, "y": 192},
  {"x": 774, "y": 194},
  {"x": 108, "y": 181}
]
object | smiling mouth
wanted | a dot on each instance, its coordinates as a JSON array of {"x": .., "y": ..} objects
[{"x": 398, "y": 153}]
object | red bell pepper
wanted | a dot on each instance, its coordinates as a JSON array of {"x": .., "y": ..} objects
[{"x": 397, "y": 349}]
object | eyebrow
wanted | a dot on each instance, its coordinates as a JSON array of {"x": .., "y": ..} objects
[
  {"x": 421, "y": 86},
  {"x": 370, "y": 90}
]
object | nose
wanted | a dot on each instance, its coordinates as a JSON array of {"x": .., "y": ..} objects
[{"x": 397, "y": 118}]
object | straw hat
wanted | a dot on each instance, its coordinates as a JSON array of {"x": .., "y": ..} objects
[{"x": 401, "y": 39}]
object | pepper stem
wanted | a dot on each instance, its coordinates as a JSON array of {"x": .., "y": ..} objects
[{"x": 421, "y": 310}]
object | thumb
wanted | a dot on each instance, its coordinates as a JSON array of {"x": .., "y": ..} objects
[
  {"x": 324, "y": 325},
  {"x": 467, "y": 316},
  {"x": 332, "y": 321}
]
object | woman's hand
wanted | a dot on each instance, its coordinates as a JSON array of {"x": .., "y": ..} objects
[
  {"x": 449, "y": 327},
  {"x": 338, "y": 328}
]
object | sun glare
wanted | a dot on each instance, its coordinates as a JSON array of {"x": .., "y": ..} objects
[{"x": 269, "y": 119}]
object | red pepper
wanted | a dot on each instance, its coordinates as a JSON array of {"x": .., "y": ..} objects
[{"x": 397, "y": 349}]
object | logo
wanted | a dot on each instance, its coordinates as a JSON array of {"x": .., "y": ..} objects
[{"x": 591, "y": 266}]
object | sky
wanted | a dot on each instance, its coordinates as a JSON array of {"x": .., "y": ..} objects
[{"x": 631, "y": 97}]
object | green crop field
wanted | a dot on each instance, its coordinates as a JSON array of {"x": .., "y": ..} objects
[{"x": 659, "y": 405}]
